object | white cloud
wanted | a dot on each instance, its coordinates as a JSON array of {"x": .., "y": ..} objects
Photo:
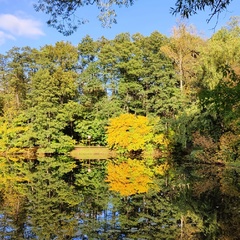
[
  {"x": 19, "y": 26},
  {"x": 4, "y": 37}
]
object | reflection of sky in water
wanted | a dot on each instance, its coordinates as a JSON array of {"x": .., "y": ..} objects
[
  {"x": 4, "y": 227},
  {"x": 192, "y": 194}
]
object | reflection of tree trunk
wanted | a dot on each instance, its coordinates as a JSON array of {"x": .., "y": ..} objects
[
  {"x": 182, "y": 222},
  {"x": 181, "y": 71},
  {"x": 17, "y": 100},
  {"x": 144, "y": 204}
]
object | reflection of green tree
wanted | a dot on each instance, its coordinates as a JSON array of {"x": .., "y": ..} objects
[
  {"x": 94, "y": 210},
  {"x": 12, "y": 197},
  {"x": 208, "y": 199},
  {"x": 52, "y": 201},
  {"x": 149, "y": 216},
  {"x": 198, "y": 202}
]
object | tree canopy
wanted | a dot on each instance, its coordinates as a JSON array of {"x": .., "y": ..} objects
[{"x": 134, "y": 93}]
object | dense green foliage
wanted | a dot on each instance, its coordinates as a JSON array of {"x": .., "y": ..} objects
[{"x": 188, "y": 88}]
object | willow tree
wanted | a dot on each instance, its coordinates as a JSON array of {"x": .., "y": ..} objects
[
  {"x": 219, "y": 97},
  {"x": 63, "y": 15}
]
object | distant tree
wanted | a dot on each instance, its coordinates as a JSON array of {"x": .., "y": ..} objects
[{"x": 63, "y": 15}]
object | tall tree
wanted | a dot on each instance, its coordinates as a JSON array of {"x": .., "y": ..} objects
[
  {"x": 183, "y": 49},
  {"x": 139, "y": 75},
  {"x": 16, "y": 71},
  {"x": 53, "y": 89},
  {"x": 159, "y": 94}
]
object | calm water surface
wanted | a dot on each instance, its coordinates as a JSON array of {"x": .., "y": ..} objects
[{"x": 63, "y": 198}]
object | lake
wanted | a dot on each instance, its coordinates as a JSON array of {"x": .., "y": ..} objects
[{"x": 65, "y": 198}]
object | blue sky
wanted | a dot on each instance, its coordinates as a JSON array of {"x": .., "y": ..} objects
[{"x": 21, "y": 26}]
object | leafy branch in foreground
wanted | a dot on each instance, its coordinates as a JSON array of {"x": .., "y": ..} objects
[
  {"x": 187, "y": 8},
  {"x": 63, "y": 13}
]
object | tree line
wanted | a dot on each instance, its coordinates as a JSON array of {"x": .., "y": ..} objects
[{"x": 186, "y": 86}]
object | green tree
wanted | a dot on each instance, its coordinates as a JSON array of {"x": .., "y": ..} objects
[
  {"x": 159, "y": 93},
  {"x": 139, "y": 76},
  {"x": 53, "y": 90},
  {"x": 16, "y": 71},
  {"x": 92, "y": 91}
]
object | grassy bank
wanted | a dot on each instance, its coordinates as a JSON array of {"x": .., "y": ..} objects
[{"x": 91, "y": 152}]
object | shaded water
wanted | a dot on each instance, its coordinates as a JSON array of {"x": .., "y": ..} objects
[{"x": 63, "y": 198}]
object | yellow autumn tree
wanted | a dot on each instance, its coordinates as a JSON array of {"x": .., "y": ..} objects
[
  {"x": 129, "y": 132},
  {"x": 129, "y": 177},
  {"x": 9, "y": 134}
]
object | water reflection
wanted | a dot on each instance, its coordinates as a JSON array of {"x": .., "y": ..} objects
[{"x": 63, "y": 198}]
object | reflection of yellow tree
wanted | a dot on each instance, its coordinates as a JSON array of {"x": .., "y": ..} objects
[
  {"x": 129, "y": 177},
  {"x": 13, "y": 197},
  {"x": 10, "y": 185}
]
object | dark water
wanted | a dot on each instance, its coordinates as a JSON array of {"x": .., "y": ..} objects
[{"x": 63, "y": 198}]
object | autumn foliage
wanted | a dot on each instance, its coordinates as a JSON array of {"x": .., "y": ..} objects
[{"x": 129, "y": 132}]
